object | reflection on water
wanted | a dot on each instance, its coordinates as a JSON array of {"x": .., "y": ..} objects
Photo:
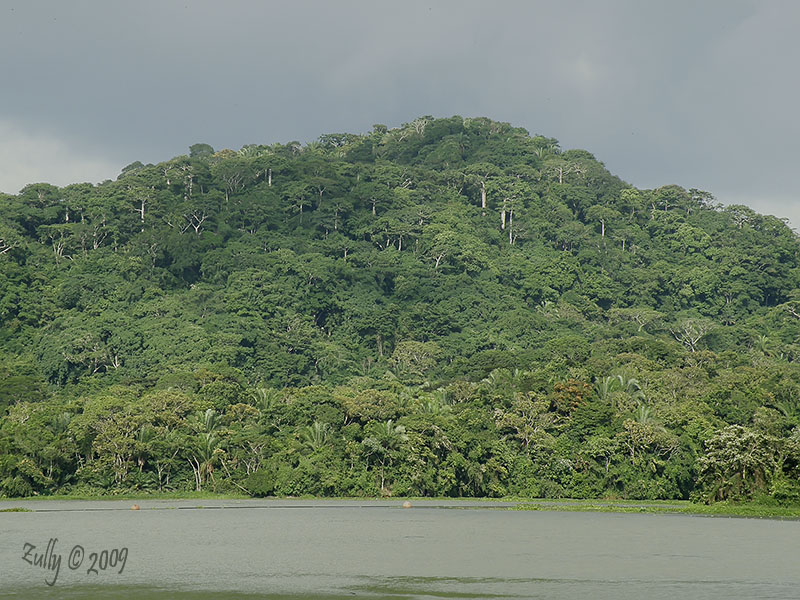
[
  {"x": 341, "y": 549},
  {"x": 434, "y": 588}
]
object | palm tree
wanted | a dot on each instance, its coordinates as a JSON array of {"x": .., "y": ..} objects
[
  {"x": 631, "y": 387},
  {"x": 204, "y": 459},
  {"x": 643, "y": 416},
  {"x": 604, "y": 387},
  {"x": 763, "y": 344},
  {"x": 505, "y": 382},
  {"x": 384, "y": 444},
  {"x": 393, "y": 433},
  {"x": 432, "y": 406},
  {"x": 206, "y": 450},
  {"x": 144, "y": 439},
  {"x": 405, "y": 398},
  {"x": 210, "y": 420},
  {"x": 316, "y": 435},
  {"x": 265, "y": 398},
  {"x": 435, "y": 402}
]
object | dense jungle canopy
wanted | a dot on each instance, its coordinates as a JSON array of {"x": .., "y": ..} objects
[{"x": 453, "y": 308}]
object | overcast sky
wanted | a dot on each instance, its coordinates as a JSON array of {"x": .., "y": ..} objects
[{"x": 703, "y": 94}]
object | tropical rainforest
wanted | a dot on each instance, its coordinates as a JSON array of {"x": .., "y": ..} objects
[{"x": 453, "y": 307}]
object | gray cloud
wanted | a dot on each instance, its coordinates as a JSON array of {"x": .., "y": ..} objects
[{"x": 695, "y": 93}]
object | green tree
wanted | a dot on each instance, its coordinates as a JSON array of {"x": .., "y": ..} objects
[
  {"x": 200, "y": 151},
  {"x": 382, "y": 447},
  {"x": 737, "y": 464}
]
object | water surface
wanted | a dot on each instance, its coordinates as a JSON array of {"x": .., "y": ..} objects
[{"x": 344, "y": 549}]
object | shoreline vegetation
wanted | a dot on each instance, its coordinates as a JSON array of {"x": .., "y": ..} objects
[
  {"x": 451, "y": 308},
  {"x": 764, "y": 510}
]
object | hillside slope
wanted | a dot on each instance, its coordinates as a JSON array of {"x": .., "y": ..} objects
[{"x": 452, "y": 307}]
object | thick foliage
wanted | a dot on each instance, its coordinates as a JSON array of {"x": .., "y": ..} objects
[{"x": 452, "y": 307}]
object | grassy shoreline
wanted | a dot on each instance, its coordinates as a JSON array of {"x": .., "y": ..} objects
[
  {"x": 132, "y": 496},
  {"x": 666, "y": 507},
  {"x": 608, "y": 505}
]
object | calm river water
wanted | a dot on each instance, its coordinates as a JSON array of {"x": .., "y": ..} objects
[{"x": 375, "y": 549}]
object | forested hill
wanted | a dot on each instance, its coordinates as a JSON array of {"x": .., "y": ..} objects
[{"x": 452, "y": 307}]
